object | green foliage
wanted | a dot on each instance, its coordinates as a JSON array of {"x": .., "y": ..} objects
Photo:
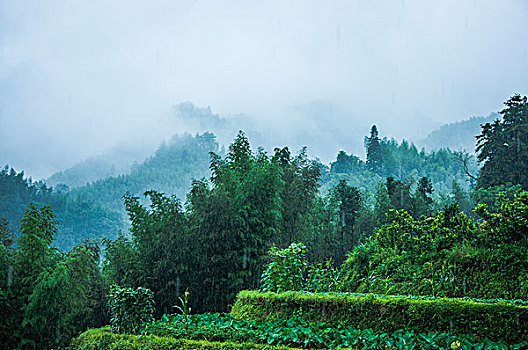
[
  {"x": 422, "y": 200},
  {"x": 462, "y": 199},
  {"x": 158, "y": 254},
  {"x": 509, "y": 225},
  {"x": 502, "y": 146},
  {"x": 296, "y": 331},
  {"x": 79, "y": 219},
  {"x": 59, "y": 305},
  {"x": 185, "y": 309},
  {"x": 490, "y": 195},
  {"x": 47, "y": 296},
  {"x": 300, "y": 185},
  {"x": 498, "y": 321},
  {"x": 349, "y": 202},
  {"x": 130, "y": 309},
  {"x": 403, "y": 161},
  {"x": 346, "y": 163},
  {"x": 289, "y": 270},
  {"x": 103, "y": 339},
  {"x": 447, "y": 255}
]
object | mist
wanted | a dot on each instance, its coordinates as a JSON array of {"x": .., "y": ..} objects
[{"x": 79, "y": 77}]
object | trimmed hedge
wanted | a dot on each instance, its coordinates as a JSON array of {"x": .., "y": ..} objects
[
  {"x": 104, "y": 339},
  {"x": 498, "y": 321}
]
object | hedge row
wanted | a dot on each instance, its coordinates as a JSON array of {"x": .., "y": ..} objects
[
  {"x": 498, "y": 321},
  {"x": 104, "y": 339}
]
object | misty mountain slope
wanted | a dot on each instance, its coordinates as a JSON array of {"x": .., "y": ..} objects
[
  {"x": 97, "y": 209},
  {"x": 320, "y": 125},
  {"x": 402, "y": 161},
  {"x": 456, "y": 136},
  {"x": 78, "y": 220},
  {"x": 117, "y": 161},
  {"x": 170, "y": 170}
]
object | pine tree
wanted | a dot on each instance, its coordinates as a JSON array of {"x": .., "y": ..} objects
[
  {"x": 374, "y": 155},
  {"x": 503, "y": 147}
]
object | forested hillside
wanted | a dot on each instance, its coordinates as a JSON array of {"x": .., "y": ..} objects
[
  {"x": 117, "y": 161},
  {"x": 242, "y": 228},
  {"x": 456, "y": 136},
  {"x": 79, "y": 219},
  {"x": 403, "y": 161},
  {"x": 96, "y": 209},
  {"x": 170, "y": 170}
]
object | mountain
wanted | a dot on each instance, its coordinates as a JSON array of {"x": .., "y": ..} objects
[
  {"x": 96, "y": 209},
  {"x": 170, "y": 170},
  {"x": 78, "y": 220},
  {"x": 116, "y": 161},
  {"x": 456, "y": 136}
]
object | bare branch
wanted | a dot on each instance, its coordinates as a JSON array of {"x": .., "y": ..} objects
[{"x": 463, "y": 157}]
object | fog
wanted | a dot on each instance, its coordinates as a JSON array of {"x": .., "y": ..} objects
[{"x": 78, "y": 77}]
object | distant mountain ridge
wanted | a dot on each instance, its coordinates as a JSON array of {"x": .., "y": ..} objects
[
  {"x": 117, "y": 161},
  {"x": 96, "y": 208},
  {"x": 456, "y": 136}
]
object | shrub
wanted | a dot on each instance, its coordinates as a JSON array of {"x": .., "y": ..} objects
[
  {"x": 130, "y": 309},
  {"x": 449, "y": 255},
  {"x": 501, "y": 320},
  {"x": 289, "y": 270},
  {"x": 103, "y": 339}
]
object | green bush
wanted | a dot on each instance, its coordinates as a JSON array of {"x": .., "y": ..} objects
[
  {"x": 501, "y": 320},
  {"x": 130, "y": 309},
  {"x": 103, "y": 339},
  {"x": 289, "y": 270},
  {"x": 449, "y": 255}
]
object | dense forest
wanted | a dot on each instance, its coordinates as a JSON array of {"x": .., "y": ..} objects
[
  {"x": 87, "y": 210},
  {"x": 402, "y": 222},
  {"x": 96, "y": 209}
]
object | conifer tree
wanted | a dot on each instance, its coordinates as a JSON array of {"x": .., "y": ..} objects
[
  {"x": 374, "y": 155},
  {"x": 502, "y": 147}
]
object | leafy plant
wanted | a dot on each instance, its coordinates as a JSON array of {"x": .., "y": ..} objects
[
  {"x": 185, "y": 309},
  {"x": 130, "y": 309},
  {"x": 289, "y": 270},
  {"x": 297, "y": 331},
  {"x": 286, "y": 270}
]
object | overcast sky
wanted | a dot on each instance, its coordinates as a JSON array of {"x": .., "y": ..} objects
[{"x": 78, "y": 76}]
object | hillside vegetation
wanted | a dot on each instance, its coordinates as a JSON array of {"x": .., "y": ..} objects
[{"x": 261, "y": 221}]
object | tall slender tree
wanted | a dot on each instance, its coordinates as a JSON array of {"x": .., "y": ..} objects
[
  {"x": 349, "y": 202},
  {"x": 374, "y": 155}
]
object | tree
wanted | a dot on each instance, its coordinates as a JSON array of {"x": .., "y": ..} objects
[
  {"x": 60, "y": 305},
  {"x": 234, "y": 219},
  {"x": 300, "y": 185},
  {"x": 6, "y": 235},
  {"x": 49, "y": 295},
  {"x": 399, "y": 194},
  {"x": 382, "y": 204},
  {"x": 374, "y": 155},
  {"x": 349, "y": 203},
  {"x": 160, "y": 241},
  {"x": 462, "y": 199},
  {"x": 502, "y": 147},
  {"x": 346, "y": 163},
  {"x": 422, "y": 201},
  {"x": 38, "y": 228}
]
